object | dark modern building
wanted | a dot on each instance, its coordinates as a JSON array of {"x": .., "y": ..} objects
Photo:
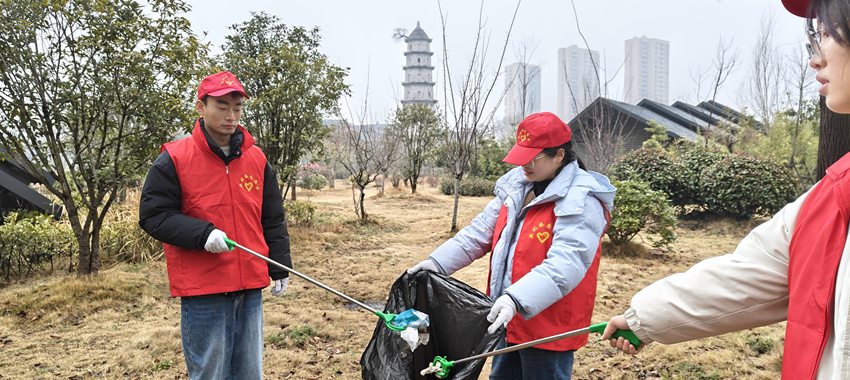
[{"x": 16, "y": 194}]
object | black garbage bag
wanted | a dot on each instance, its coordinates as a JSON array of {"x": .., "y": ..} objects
[{"x": 458, "y": 315}]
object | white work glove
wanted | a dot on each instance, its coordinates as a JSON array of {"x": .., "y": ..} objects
[
  {"x": 501, "y": 313},
  {"x": 215, "y": 242},
  {"x": 424, "y": 265},
  {"x": 280, "y": 286}
]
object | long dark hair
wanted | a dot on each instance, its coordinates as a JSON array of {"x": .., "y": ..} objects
[
  {"x": 832, "y": 16},
  {"x": 569, "y": 155}
]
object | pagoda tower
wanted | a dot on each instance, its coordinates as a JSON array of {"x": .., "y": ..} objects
[{"x": 418, "y": 72}]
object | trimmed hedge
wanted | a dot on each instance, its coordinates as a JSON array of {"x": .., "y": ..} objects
[
  {"x": 660, "y": 169},
  {"x": 743, "y": 186},
  {"x": 469, "y": 187}
]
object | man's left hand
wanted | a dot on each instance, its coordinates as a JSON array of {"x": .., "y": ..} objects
[{"x": 279, "y": 286}]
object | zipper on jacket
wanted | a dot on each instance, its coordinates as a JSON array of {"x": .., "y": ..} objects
[{"x": 233, "y": 212}]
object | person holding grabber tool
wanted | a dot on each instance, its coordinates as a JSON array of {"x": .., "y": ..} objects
[
  {"x": 201, "y": 190},
  {"x": 794, "y": 267},
  {"x": 544, "y": 228}
]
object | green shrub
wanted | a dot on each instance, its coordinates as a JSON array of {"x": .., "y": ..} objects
[
  {"x": 299, "y": 336},
  {"x": 312, "y": 182},
  {"x": 658, "y": 168},
  {"x": 299, "y": 213},
  {"x": 695, "y": 159},
  {"x": 638, "y": 208},
  {"x": 469, "y": 187},
  {"x": 743, "y": 186},
  {"x": 760, "y": 345},
  {"x": 29, "y": 241}
]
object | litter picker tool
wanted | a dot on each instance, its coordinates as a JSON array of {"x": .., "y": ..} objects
[
  {"x": 441, "y": 367},
  {"x": 387, "y": 317}
]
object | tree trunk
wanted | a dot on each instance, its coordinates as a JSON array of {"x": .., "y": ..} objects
[
  {"x": 834, "y": 141},
  {"x": 413, "y": 182},
  {"x": 457, "y": 196},
  {"x": 89, "y": 252},
  {"x": 292, "y": 185},
  {"x": 362, "y": 210}
]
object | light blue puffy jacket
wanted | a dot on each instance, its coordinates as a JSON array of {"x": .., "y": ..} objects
[{"x": 580, "y": 224}]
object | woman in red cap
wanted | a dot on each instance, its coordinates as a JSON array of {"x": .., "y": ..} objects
[
  {"x": 544, "y": 228},
  {"x": 794, "y": 267}
]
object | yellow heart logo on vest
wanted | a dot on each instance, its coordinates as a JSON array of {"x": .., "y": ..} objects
[
  {"x": 542, "y": 236},
  {"x": 249, "y": 183}
]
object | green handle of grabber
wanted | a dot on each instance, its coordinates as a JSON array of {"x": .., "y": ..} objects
[
  {"x": 628, "y": 334},
  {"x": 231, "y": 245}
]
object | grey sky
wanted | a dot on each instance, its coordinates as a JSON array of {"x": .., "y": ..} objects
[{"x": 357, "y": 34}]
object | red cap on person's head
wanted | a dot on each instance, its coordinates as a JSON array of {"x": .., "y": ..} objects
[
  {"x": 797, "y": 7},
  {"x": 535, "y": 133},
  {"x": 219, "y": 84}
]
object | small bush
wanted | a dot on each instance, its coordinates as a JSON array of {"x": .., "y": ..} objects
[
  {"x": 299, "y": 336},
  {"x": 312, "y": 182},
  {"x": 656, "y": 167},
  {"x": 299, "y": 213},
  {"x": 469, "y": 187},
  {"x": 313, "y": 176},
  {"x": 29, "y": 241},
  {"x": 760, "y": 345},
  {"x": 638, "y": 208},
  {"x": 743, "y": 186}
]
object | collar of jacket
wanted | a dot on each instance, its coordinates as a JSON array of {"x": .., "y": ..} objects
[
  {"x": 514, "y": 185},
  {"x": 240, "y": 141}
]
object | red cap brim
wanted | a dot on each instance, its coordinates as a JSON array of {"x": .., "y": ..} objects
[
  {"x": 520, "y": 155},
  {"x": 797, "y": 7},
  {"x": 227, "y": 91}
]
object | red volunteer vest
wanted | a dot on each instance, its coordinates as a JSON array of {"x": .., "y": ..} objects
[
  {"x": 815, "y": 252},
  {"x": 569, "y": 313},
  {"x": 230, "y": 197}
]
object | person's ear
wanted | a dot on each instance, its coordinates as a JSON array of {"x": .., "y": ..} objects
[
  {"x": 560, "y": 155},
  {"x": 199, "y": 105}
]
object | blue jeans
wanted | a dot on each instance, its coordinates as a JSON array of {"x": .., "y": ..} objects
[
  {"x": 223, "y": 335},
  {"x": 531, "y": 363}
]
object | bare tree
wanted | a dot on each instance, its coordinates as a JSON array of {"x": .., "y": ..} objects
[
  {"x": 600, "y": 133},
  {"x": 367, "y": 151},
  {"x": 724, "y": 64},
  {"x": 800, "y": 78},
  {"x": 765, "y": 84},
  {"x": 466, "y": 101}
]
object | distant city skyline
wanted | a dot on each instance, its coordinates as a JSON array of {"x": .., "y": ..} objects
[
  {"x": 523, "y": 94},
  {"x": 578, "y": 83},
  {"x": 647, "y": 70},
  {"x": 358, "y": 36}
]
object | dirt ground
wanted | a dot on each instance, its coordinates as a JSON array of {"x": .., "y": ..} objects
[{"x": 124, "y": 325}]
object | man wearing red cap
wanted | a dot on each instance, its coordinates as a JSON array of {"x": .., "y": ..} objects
[
  {"x": 543, "y": 228},
  {"x": 200, "y": 190},
  {"x": 794, "y": 267}
]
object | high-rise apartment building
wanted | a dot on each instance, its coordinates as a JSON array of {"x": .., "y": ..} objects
[
  {"x": 647, "y": 70},
  {"x": 578, "y": 84},
  {"x": 522, "y": 98},
  {"x": 418, "y": 71}
]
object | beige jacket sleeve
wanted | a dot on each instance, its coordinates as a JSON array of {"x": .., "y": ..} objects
[{"x": 745, "y": 289}]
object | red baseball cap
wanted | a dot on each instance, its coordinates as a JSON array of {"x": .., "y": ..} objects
[
  {"x": 219, "y": 84},
  {"x": 535, "y": 133},
  {"x": 797, "y": 7}
]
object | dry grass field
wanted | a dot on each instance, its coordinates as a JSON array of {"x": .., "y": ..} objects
[{"x": 122, "y": 324}]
